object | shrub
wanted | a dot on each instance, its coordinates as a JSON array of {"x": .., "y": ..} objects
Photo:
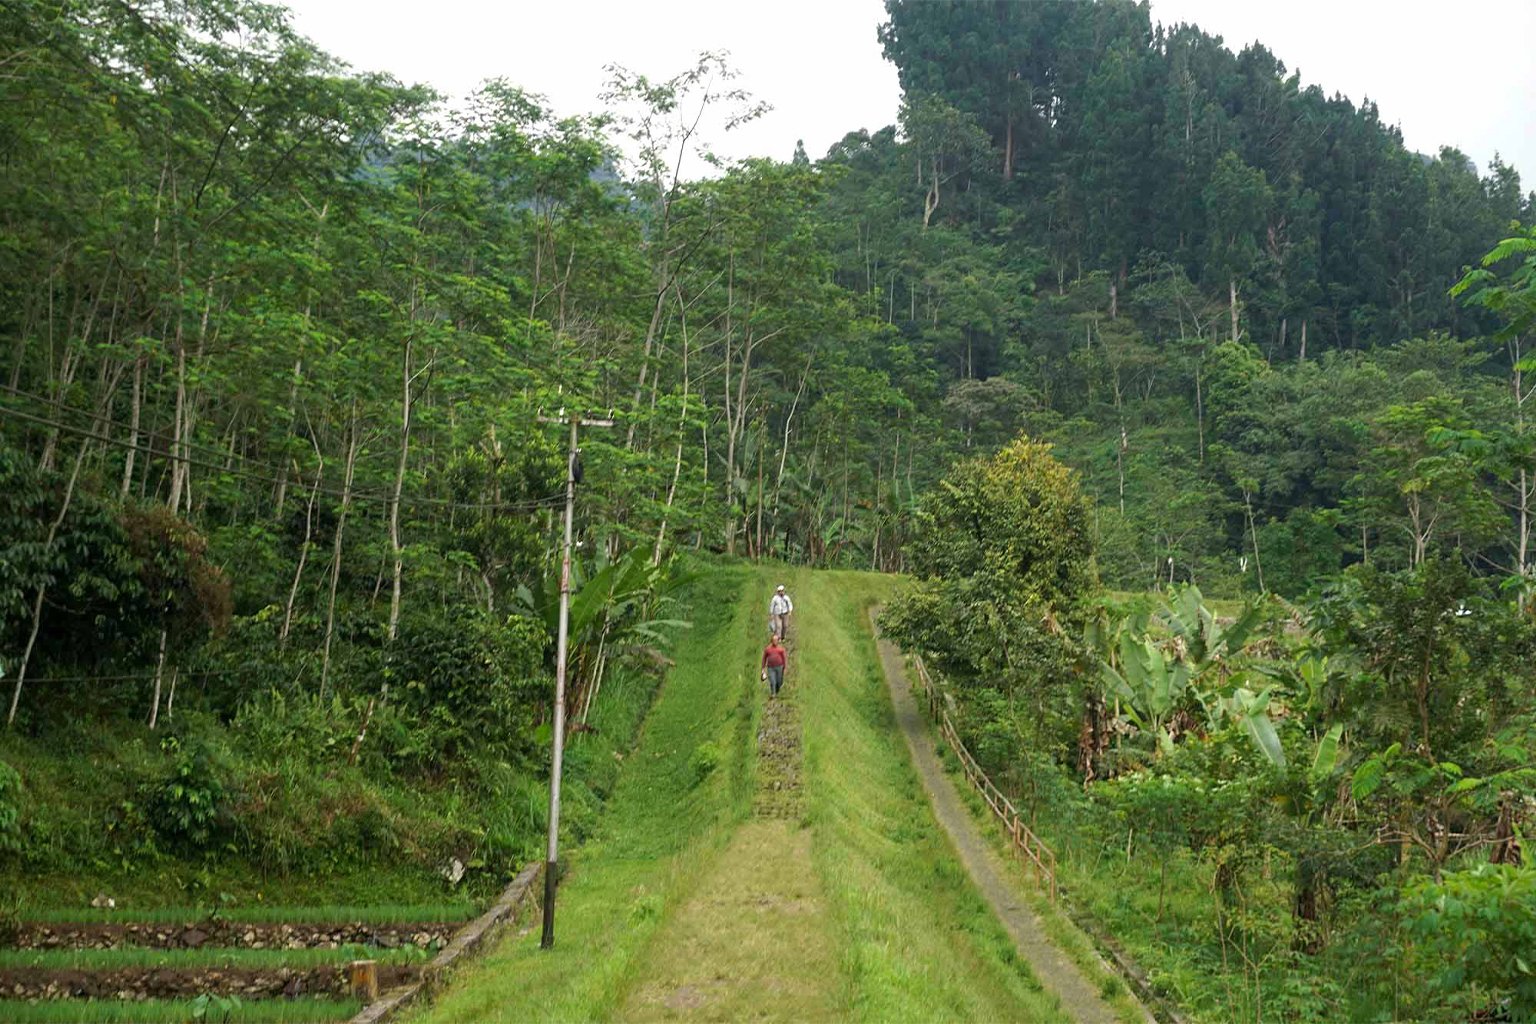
[
  {"x": 10, "y": 809},
  {"x": 467, "y": 680},
  {"x": 188, "y": 807},
  {"x": 1481, "y": 924},
  {"x": 706, "y": 758}
]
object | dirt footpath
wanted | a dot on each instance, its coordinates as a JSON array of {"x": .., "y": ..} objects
[{"x": 990, "y": 873}]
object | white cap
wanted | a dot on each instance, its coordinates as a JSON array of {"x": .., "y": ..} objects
[{"x": 780, "y": 586}]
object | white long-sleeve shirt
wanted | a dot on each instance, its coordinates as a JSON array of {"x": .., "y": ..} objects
[{"x": 780, "y": 605}]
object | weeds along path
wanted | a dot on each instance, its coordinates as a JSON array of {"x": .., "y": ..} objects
[{"x": 996, "y": 879}]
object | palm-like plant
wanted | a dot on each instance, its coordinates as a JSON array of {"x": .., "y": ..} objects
[
  {"x": 1152, "y": 665},
  {"x": 616, "y": 610}
]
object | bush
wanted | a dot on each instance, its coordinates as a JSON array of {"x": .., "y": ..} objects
[
  {"x": 1481, "y": 924},
  {"x": 466, "y": 681},
  {"x": 10, "y": 809},
  {"x": 706, "y": 758},
  {"x": 188, "y": 807}
]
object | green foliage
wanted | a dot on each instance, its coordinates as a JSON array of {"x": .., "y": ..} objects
[
  {"x": 1002, "y": 551},
  {"x": 10, "y": 813},
  {"x": 189, "y": 807},
  {"x": 705, "y": 759},
  {"x": 282, "y": 336},
  {"x": 464, "y": 683},
  {"x": 1480, "y": 924}
]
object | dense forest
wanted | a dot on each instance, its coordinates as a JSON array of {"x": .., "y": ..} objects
[{"x": 281, "y": 504}]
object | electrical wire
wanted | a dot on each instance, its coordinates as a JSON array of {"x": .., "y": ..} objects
[
  {"x": 534, "y": 504},
  {"x": 134, "y": 676},
  {"x": 209, "y": 450}
]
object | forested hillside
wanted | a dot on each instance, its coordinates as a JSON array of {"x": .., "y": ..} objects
[{"x": 281, "y": 507}]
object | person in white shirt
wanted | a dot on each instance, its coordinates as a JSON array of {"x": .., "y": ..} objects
[{"x": 779, "y": 610}]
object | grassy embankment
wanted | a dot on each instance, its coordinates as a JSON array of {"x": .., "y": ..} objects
[
  {"x": 889, "y": 927},
  {"x": 682, "y": 790},
  {"x": 294, "y": 823},
  {"x": 918, "y": 942}
]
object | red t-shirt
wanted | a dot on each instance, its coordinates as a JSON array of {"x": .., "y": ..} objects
[{"x": 773, "y": 657}]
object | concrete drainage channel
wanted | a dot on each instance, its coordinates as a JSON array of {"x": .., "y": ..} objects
[{"x": 469, "y": 940}]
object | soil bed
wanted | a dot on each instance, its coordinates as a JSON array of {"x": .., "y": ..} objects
[
  {"x": 171, "y": 983},
  {"x": 426, "y": 936},
  {"x": 778, "y": 762}
]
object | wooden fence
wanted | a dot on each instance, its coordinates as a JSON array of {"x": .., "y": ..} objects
[{"x": 1026, "y": 845}]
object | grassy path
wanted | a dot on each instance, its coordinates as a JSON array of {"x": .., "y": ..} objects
[{"x": 765, "y": 861}]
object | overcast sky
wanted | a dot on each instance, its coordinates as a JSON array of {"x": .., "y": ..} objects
[{"x": 1426, "y": 63}]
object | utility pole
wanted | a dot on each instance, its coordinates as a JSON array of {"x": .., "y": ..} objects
[{"x": 561, "y": 644}]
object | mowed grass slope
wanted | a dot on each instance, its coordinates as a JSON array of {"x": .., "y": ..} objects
[
  {"x": 918, "y": 943},
  {"x": 669, "y": 817},
  {"x": 896, "y": 932}
]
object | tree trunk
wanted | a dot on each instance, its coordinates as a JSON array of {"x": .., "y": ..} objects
[
  {"x": 42, "y": 590},
  {"x": 1253, "y": 534},
  {"x": 1200, "y": 410},
  {"x": 298, "y": 572},
  {"x": 281, "y": 498},
  {"x": 758, "y": 548},
  {"x": 645, "y": 360},
  {"x": 1008, "y": 150},
  {"x": 682, "y": 427},
  {"x": 178, "y": 465},
  {"x": 1232, "y": 292},
  {"x": 1305, "y": 906},
  {"x": 154, "y": 704},
  {"x": 341, "y": 523},
  {"x": 397, "y": 550},
  {"x": 170, "y": 700},
  {"x": 134, "y": 413}
]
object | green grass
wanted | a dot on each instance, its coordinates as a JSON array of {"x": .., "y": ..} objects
[
  {"x": 663, "y": 826},
  {"x": 906, "y": 937},
  {"x": 755, "y": 933},
  {"x": 918, "y": 943},
  {"x": 1058, "y": 927},
  {"x": 177, "y": 1011},
  {"x": 384, "y": 914},
  {"x": 251, "y": 959}
]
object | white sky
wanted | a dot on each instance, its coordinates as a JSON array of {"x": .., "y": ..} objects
[{"x": 1456, "y": 74}]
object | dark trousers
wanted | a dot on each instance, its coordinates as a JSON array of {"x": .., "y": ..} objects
[{"x": 775, "y": 678}]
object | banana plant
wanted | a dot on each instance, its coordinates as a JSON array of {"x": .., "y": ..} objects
[
  {"x": 616, "y": 606},
  {"x": 1251, "y": 712},
  {"x": 1149, "y": 684},
  {"x": 1199, "y": 657}
]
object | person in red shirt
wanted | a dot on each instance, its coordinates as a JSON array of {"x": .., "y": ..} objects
[{"x": 773, "y": 665}]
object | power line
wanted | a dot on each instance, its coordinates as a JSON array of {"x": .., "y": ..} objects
[
  {"x": 210, "y": 450},
  {"x": 548, "y": 501},
  {"x": 133, "y": 676},
  {"x": 268, "y": 477}
]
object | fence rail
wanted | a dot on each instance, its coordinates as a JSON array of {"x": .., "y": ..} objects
[{"x": 1022, "y": 839}]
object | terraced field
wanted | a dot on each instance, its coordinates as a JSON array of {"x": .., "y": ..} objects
[{"x": 266, "y": 963}]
